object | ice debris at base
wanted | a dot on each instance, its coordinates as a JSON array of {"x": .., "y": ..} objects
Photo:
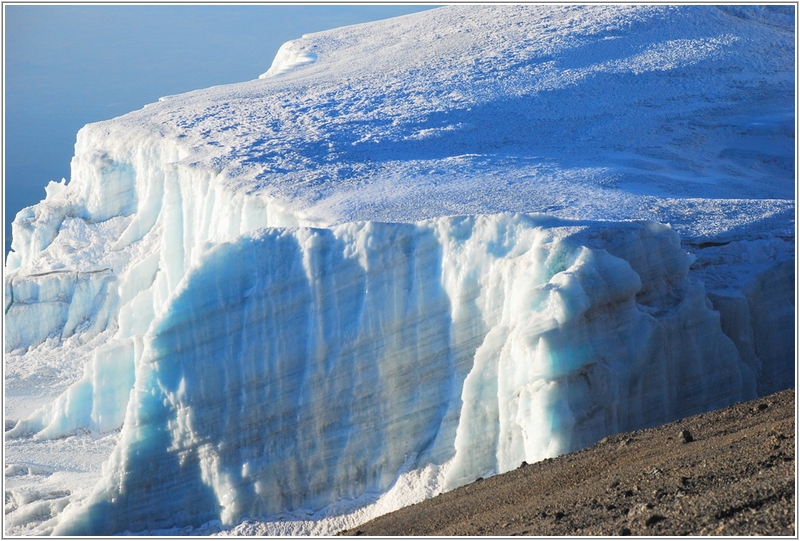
[{"x": 414, "y": 253}]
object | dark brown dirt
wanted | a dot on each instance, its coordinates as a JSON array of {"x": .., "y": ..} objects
[{"x": 727, "y": 472}]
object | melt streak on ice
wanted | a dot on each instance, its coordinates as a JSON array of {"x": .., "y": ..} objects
[{"x": 412, "y": 253}]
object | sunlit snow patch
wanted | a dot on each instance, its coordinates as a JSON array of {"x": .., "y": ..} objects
[{"x": 290, "y": 56}]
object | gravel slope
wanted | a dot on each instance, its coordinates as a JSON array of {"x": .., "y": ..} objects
[{"x": 736, "y": 476}]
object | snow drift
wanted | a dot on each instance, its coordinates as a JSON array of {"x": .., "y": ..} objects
[{"x": 433, "y": 243}]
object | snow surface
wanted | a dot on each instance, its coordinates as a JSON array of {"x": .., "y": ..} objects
[{"x": 412, "y": 253}]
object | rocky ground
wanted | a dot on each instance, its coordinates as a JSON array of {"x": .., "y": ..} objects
[{"x": 727, "y": 472}]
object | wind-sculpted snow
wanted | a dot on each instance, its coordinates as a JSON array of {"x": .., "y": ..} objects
[
  {"x": 614, "y": 111},
  {"x": 413, "y": 253}
]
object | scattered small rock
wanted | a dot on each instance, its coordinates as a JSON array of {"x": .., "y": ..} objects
[
  {"x": 653, "y": 519},
  {"x": 640, "y": 509},
  {"x": 699, "y": 489}
]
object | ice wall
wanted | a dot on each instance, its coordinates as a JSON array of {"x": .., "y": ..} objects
[
  {"x": 101, "y": 255},
  {"x": 57, "y": 302},
  {"x": 752, "y": 285},
  {"x": 253, "y": 370},
  {"x": 76, "y": 260},
  {"x": 297, "y": 367},
  {"x": 357, "y": 352}
]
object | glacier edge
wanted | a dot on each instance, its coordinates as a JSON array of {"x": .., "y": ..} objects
[
  {"x": 439, "y": 350},
  {"x": 484, "y": 341}
]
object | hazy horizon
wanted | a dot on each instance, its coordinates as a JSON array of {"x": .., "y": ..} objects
[{"x": 67, "y": 66}]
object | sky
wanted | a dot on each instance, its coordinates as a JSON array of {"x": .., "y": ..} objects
[{"x": 68, "y": 65}]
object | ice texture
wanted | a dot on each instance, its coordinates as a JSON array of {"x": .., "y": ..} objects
[
  {"x": 297, "y": 367},
  {"x": 413, "y": 253}
]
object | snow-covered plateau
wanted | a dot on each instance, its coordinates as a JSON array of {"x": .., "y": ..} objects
[{"x": 413, "y": 253}]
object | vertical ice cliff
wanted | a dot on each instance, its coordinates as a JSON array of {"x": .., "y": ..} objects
[
  {"x": 297, "y": 367},
  {"x": 435, "y": 242}
]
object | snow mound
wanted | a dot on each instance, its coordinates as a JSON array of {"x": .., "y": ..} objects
[{"x": 290, "y": 57}]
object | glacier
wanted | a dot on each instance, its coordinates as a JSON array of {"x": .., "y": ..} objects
[{"x": 412, "y": 253}]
